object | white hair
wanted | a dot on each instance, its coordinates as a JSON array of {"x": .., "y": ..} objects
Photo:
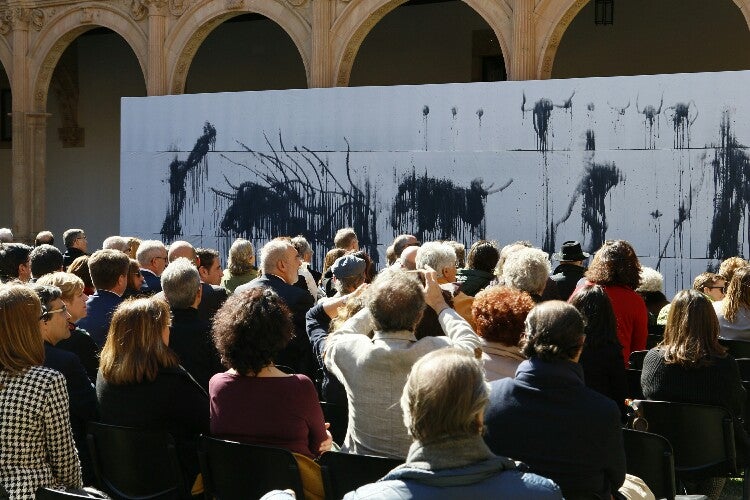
[
  {"x": 6, "y": 235},
  {"x": 271, "y": 253},
  {"x": 147, "y": 250},
  {"x": 527, "y": 269},
  {"x": 651, "y": 280},
  {"x": 115, "y": 243},
  {"x": 437, "y": 255}
]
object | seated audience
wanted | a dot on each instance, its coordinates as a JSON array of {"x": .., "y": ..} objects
[
  {"x": 141, "y": 383},
  {"x": 80, "y": 267},
  {"x": 209, "y": 266},
  {"x": 601, "y": 359},
  {"x": 6, "y": 235},
  {"x": 326, "y": 279},
  {"x": 374, "y": 370},
  {"x": 133, "y": 245},
  {"x": 713, "y": 286},
  {"x": 212, "y": 296},
  {"x": 460, "y": 250},
  {"x": 690, "y": 366},
  {"x": 730, "y": 265},
  {"x": 250, "y": 330},
  {"x": 135, "y": 280},
  {"x": 189, "y": 335},
  {"x": 443, "y": 403},
  {"x": 548, "y": 418},
  {"x": 308, "y": 277},
  {"x": 571, "y": 269},
  {"x": 651, "y": 290},
  {"x": 550, "y": 287},
  {"x": 348, "y": 274},
  {"x": 241, "y": 267},
  {"x": 733, "y": 311},
  {"x": 347, "y": 239},
  {"x": 480, "y": 270},
  {"x": 76, "y": 245},
  {"x": 14, "y": 262},
  {"x": 616, "y": 269},
  {"x": 499, "y": 313},
  {"x": 45, "y": 259},
  {"x": 81, "y": 394},
  {"x": 80, "y": 342},
  {"x": 109, "y": 272},
  {"x": 117, "y": 243},
  {"x": 36, "y": 442}
]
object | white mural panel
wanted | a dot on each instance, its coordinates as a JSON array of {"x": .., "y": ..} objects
[{"x": 658, "y": 160}]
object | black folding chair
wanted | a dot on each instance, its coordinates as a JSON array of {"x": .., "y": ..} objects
[
  {"x": 344, "y": 472},
  {"x": 635, "y": 361},
  {"x": 50, "y": 494},
  {"x": 338, "y": 417},
  {"x": 744, "y": 366},
  {"x": 633, "y": 379},
  {"x": 136, "y": 464},
  {"x": 649, "y": 456},
  {"x": 737, "y": 348},
  {"x": 233, "y": 470},
  {"x": 701, "y": 436}
]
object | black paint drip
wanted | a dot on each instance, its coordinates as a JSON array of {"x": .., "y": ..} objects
[
  {"x": 437, "y": 209},
  {"x": 454, "y": 112},
  {"x": 590, "y": 140},
  {"x": 681, "y": 123},
  {"x": 731, "y": 169},
  {"x": 195, "y": 168},
  {"x": 294, "y": 192},
  {"x": 650, "y": 116}
]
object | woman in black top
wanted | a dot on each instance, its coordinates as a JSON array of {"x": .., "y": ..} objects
[
  {"x": 601, "y": 359},
  {"x": 690, "y": 366}
]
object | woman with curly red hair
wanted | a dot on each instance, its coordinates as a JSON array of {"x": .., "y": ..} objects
[
  {"x": 616, "y": 269},
  {"x": 499, "y": 313}
]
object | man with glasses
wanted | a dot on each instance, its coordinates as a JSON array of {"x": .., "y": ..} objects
[
  {"x": 152, "y": 257},
  {"x": 75, "y": 245},
  {"x": 53, "y": 323},
  {"x": 713, "y": 286}
]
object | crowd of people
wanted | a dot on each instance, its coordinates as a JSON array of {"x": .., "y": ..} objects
[{"x": 486, "y": 371}]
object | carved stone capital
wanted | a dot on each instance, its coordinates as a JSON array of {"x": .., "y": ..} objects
[
  {"x": 21, "y": 18},
  {"x": 139, "y": 9},
  {"x": 234, "y": 4}
]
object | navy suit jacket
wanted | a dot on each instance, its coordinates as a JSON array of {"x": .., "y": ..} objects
[
  {"x": 153, "y": 282},
  {"x": 99, "y": 309},
  {"x": 298, "y": 355},
  {"x": 212, "y": 298}
]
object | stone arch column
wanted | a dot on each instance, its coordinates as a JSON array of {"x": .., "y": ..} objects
[
  {"x": 186, "y": 37},
  {"x": 553, "y": 18},
  {"x": 61, "y": 30},
  {"x": 6, "y": 59},
  {"x": 358, "y": 19}
]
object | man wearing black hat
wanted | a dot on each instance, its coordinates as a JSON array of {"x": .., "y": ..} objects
[{"x": 570, "y": 270}]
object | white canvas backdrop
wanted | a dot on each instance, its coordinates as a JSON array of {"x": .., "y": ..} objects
[{"x": 657, "y": 160}]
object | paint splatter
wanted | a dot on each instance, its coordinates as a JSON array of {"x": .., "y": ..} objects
[
  {"x": 650, "y": 116},
  {"x": 194, "y": 170},
  {"x": 681, "y": 122},
  {"x": 425, "y": 113},
  {"x": 731, "y": 169},
  {"x": 656, "y": 214},
  {"x": 597, "y": 181},
  {"x": 433, "y": 209},
  {"x": 294, "y": 192},
  {"x": 541, "y": 114},
  {"x": 590, "y": 140},
  {"x": 454, "y": 112}
]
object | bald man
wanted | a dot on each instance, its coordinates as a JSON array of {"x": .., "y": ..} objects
[{"x": 213, "y": 296}]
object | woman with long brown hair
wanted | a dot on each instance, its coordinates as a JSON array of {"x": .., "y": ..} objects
[
  {"x": 36, "y": 443},
  {"x": 141, "y": 383},
  {"x": 734, "y": 310},
  {"x": 616, "y": 269},
  {"x": 690, "y": 366}
]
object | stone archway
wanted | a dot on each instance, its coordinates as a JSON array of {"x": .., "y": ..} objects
[
  {"x": 356, "y": 21},
  {"x": 553, "y": 18},
  {"x": 63, "y": 29},
  {"x": 6, "y": 59},
  {"x": 185, "y": 39}
]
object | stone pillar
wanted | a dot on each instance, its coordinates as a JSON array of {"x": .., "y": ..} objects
[
  {"x": 321, "y": 68},
  {"x": 23, "y": 193},
  {"x": 523, "y": 55},
  {"x": 156, "y": 78},
  {"x": 36, "y": 146}
]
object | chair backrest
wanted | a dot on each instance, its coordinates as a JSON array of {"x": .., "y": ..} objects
[
  {"x": 649, "y": 457},
  {"x": 701, "y": 436},
  {"x": 338, "y": 417},
  {"x": 50, "y": 494},
  {"x": 233, "y": 470},
  {"x": 744, "y": 366},
  {"x": 635, "y": 361},
  {"x": 135, "y": 463},
  {"x": 633, "y": 379},
  {"x": 344, "y": 472},
  {"x": 737, "y": 348}
]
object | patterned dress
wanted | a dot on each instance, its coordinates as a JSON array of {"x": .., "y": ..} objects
[{"x": 36, "y": 442}]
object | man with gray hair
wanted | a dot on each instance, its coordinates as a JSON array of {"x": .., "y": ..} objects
[
  {"x": 280, "y": 263},
  {"x": 189, "y": 335},
  {"x": 76, "y": 245},
  {"x": 441, "y": 257},
  {"x": 116, "y": 243},
  {"x": 374, "y": 370},
  {"x": 213, "y": 296},
  {"x": 6, "y": 235},
  {"x": 152, "y": 257}
]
